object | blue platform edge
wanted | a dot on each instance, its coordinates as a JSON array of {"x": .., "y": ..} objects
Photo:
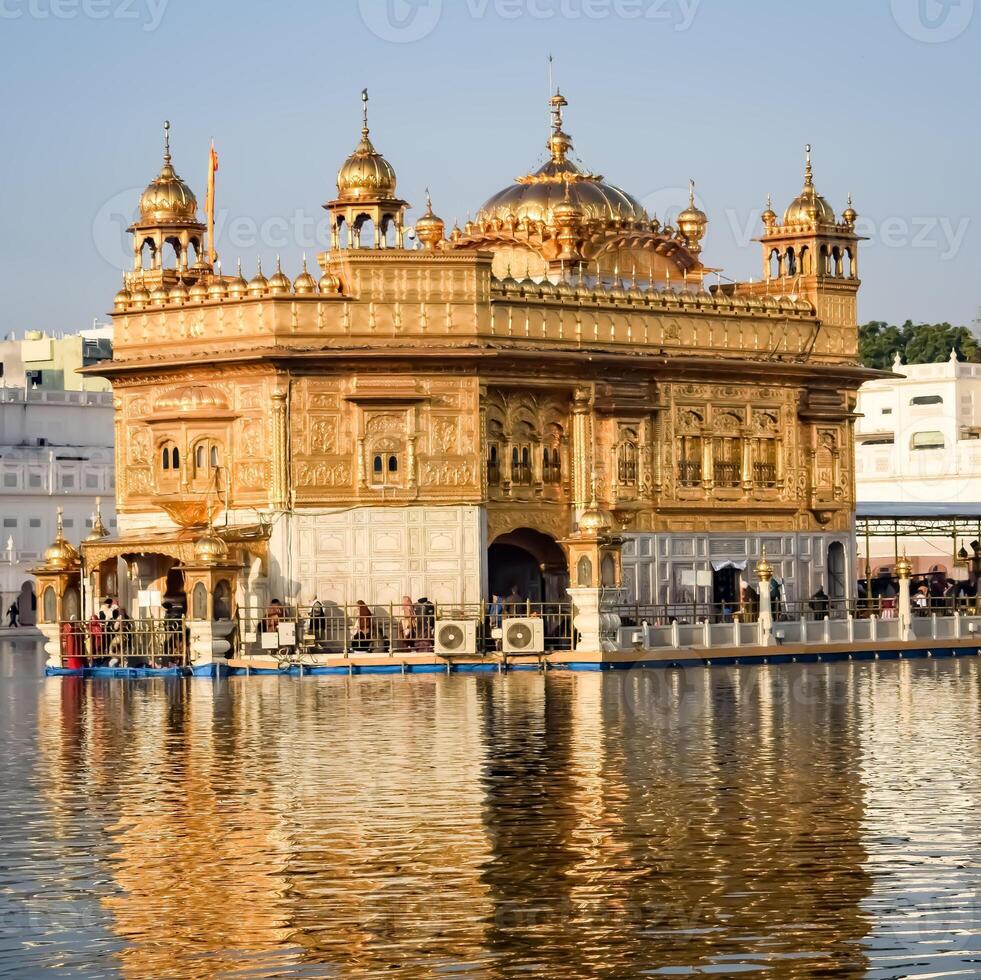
[{"x": 728, "y": 659}]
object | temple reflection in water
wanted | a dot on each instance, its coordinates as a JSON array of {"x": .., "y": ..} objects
[{"x": 508, "y": 825}]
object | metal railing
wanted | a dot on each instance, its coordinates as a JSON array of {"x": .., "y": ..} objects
[
  {"x": 388, "y": 630},
  {"x": 161, "y": 642},
  {"x": 664, "y": 614}
]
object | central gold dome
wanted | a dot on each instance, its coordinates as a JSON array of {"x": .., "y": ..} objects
[{"x": 534, "y": 197}]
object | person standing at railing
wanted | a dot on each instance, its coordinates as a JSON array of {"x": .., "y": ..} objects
[
  {"x": 274, "y": 613},
  {"x": 426, "y": 612},
  {"x": 72, "y": 645},
  {"x": 495, "y": 616},
  {"x": 407, "y": 624},
  {"x": 361, "y": 640},
  {"x": 820, "y": 603},
  {"x": 95, "y": 636}
]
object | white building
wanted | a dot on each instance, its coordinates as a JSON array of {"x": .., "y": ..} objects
[
  {"x": 56, "y": 449},
  {"x": 918, "y": 450}
]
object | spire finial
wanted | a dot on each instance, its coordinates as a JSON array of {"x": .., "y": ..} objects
[
  {"x": 808, "y": 172},
  {"x": 166, "y": 141},
  {"x": 61, "y": 522},
  {"x": 429, "y": 202},
  {"x": 691, "y": 192},
  {"x": 364, "y": 100}
]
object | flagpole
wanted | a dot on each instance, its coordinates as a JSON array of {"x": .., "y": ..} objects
[{"x": 212, "y": 168}]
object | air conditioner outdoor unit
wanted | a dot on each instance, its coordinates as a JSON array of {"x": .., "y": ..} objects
[
  {"x": 456, "y": 637},
  {"x": 524, "y": 636}
]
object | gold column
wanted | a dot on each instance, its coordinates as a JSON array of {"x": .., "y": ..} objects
[
  {"x": 582, "y": 448},
  {"x": 280, "y": 461}
]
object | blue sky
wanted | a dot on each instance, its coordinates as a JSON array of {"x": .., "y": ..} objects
[{"x": 659, "y": 91}]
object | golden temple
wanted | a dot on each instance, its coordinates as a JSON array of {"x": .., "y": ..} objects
[{"x": 450, "y": 413}]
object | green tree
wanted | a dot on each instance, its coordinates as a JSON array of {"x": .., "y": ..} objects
[{"x": 918, "y": 343}]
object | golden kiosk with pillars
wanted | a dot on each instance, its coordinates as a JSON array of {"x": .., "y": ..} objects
[{"x": 595, "y": 560}]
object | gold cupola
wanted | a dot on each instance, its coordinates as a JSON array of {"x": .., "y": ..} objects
[
  {"x": 304, "y": 284},
  {"x": 259, "y": 284},
  {"x": 279, "y": 282},
  {"x": 366, "y": 186},
  {"x": 238, "y": 288},
  {"x": 61, "y": 554},
  {"x": 168, "y": 223},
  {"x": 366, "y": 173},
  {"x": 692, "y": 222},
  {"x": 430, "y": 229},
  {"x": 809, "y": 209},
  {"x": 167, "y": 199}
]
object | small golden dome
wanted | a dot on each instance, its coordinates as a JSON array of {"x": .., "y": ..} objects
[
  {"x": 179, "y": 294},
  {"x": 754, "y": 303},
  {"x": 217, "y": 288},
  {"x": 259, "y": 284},
  {"x": 329, "y": 284},
  {"x": 595, "y": 521},
  {"x": 764, "y": 570},
  {"x": 809, "y": 208},
  {"x": 168, "y": 199},
  {"x": 238, "y": 287},
  {"x": 122, "y": 299},
  {"x": 430, "y": 228},
  {"x": 366, "y": 173},
  {"x": 61, "y": 554},
  {"x": 159, "y": 296},
  {"x": 305, "y": 284},
  {"x": 198, "y": 293},
  {"x": 692, "y": 222},
  {"x": 849, "y": 215},
  {"x": 140, "y": 296},
  {"x": 99, "y": 530},
  {"x": 769, "y": 216},
  {"x": 209, "y": 549},
  {"x": 279, "y": 282}
]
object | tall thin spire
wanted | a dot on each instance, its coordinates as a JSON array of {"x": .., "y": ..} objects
[
  {"x": 808, "y": 172},
  {"x": 167, "y": 141},
  {"x": 364, "y": 110},
  {"x": 691, "y": 192}
]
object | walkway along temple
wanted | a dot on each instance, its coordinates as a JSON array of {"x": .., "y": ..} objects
[{"x": 554, "y": 400}]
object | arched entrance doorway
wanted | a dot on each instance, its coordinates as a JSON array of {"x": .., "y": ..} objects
[{"x": 530, "y": 560}]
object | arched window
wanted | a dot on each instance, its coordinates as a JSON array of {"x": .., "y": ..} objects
[
  {"x": 222, "y": 601},
  {"x": 690, "y": 461},
  {"x": 551, "y": 466},
  {"x": 627, "y": 460},
  {"x": 170, "y": 464},
  {"x": 493, "y": 465},
  {"x": 386, "y": 463},
  {"x": 199, "y": 601},
  {"x": 49, "y": 605},
  {"x": 207, "y": 460}
]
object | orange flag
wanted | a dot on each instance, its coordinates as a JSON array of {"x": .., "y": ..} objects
[{"x": 212, "y": 170}]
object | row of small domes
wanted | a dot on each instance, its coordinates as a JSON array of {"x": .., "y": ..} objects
[
  {"x": 219, "y": 287},
  {"x": 582, "y": 292}
]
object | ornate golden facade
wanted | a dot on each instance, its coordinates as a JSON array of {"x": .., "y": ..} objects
[{"x": 564, "y": 353}]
